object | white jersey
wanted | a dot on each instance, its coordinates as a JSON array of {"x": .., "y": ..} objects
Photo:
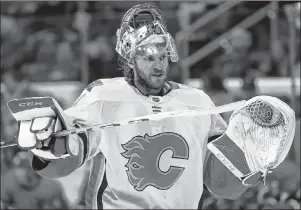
[{"x": 149, "y": 165}]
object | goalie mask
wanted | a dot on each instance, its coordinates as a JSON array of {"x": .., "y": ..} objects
[{"x": 143, "y": 32}]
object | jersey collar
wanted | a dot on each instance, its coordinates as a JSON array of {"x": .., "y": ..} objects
[
  {"x": 167, "y": 87},
  {"x": 165, "y": 95}
]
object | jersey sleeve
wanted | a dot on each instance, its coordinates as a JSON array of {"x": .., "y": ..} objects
[
  {"x": 86, "y": 111},
  {"x": 218, "y": 125}
]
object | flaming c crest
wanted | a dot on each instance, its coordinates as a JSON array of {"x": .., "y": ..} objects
[{"x": 143, "y": 154}]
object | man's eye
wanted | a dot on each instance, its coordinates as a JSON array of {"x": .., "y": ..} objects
[
  {"x": 150, "y": 58},
  {"x": 162, "y": 57}
]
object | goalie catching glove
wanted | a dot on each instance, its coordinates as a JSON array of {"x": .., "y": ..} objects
[
  {"x": 257, "y": 139},
  {"x": 38, "y": 118}
]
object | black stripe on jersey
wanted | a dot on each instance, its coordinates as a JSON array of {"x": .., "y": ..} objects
[
  {"x": 101, "y": 189},
  {"x": 156, "y": 109}
]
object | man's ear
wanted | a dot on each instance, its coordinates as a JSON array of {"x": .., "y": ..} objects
[{"x": 131, "y": 63}]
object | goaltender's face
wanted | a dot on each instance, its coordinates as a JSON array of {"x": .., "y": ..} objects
[{"x": 151, "y": 70}]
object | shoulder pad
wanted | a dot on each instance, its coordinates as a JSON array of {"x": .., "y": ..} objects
[
  {"x": 194, "y": 97},
  {"x": 106, "y": 82},
  {"x": 112, "y": 89},
  {"x": 93, "y": 84},
  {"x": 182, "y": 86}
]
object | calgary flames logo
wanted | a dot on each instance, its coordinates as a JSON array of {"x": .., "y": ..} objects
[{"x": 144, "y": 154}]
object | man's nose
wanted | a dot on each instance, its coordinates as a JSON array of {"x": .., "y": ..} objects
[{"x": 159, "y": 65}]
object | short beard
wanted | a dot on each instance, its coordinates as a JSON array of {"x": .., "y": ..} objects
[
  {"x": 143, "y": 81},
  {"x": 141, "y": 78}
]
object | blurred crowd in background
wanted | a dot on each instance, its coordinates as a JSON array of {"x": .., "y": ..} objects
[{"x": 50, "y": 41}]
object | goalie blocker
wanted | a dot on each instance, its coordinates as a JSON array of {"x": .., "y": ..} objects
[{"x": 38, "y": 118}]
